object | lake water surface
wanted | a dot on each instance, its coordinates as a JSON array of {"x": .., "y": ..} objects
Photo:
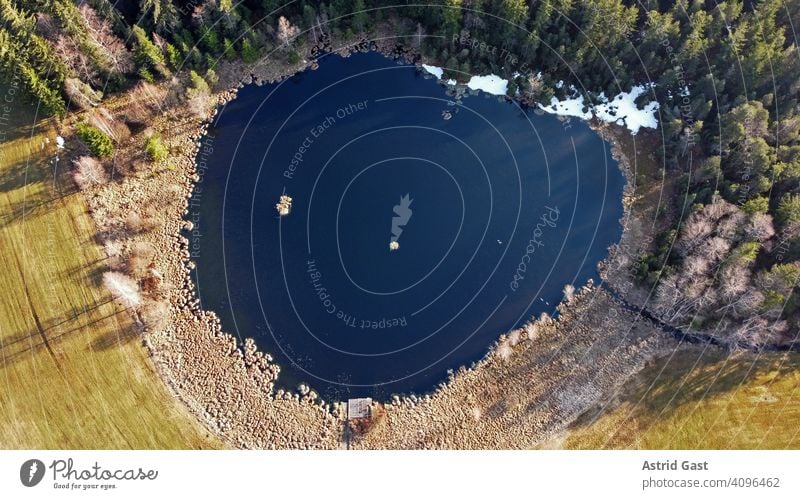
[{"x": 493, "y": 210}]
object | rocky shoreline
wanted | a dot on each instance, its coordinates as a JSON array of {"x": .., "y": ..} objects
[{"x": 510, "y": 399}]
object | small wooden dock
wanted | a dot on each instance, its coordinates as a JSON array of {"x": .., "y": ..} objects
[{"x": 358, "y": 408}]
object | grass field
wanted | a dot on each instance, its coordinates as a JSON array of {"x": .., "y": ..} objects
[
  {"x": 73, "y": 372},
  {"x": 700, "y": 400}
]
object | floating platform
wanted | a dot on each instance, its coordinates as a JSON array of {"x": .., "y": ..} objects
[{"x": 284, "y": 205}]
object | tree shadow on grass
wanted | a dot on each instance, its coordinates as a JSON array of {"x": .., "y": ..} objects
[
  {"x": 44, "y": 191},
  {"x": 115, "y": 338},
  {"x": 696, "y": 374},
  {"x": 690, "y": 376},
  {"x": 91, "y": 272},
  {"x": 29, "y": 343}
]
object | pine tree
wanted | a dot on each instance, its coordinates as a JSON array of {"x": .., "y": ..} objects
[{"x": 147, "y": 54}]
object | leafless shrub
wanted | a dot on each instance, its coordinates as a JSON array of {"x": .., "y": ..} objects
[
  {"x": 153, "y": 282},
  {"x": 137, "y": 224},
  {"x": 155, "y": 314},
  {"x": 88, "y": 172},
  {"x": 476, "y": 413},
  {"x": 532, "y": 331},
  {"x": 140, "y": 259},
  {"x": 667, "y": 296},
  {"x": 569, "y": 292},
  {"x": 112, "y": 248},
  {"x": 123, "y": 288},
  {"x": 113, "y": 251},
  {"x": 200, "y": 104},
  {"x": 534, "y": 87},
  {"x": 504, "y": 350}
]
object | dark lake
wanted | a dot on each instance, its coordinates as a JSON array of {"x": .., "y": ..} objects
[{"x": 502, "y": 208}]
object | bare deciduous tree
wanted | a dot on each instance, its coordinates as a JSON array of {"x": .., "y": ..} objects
[
  {"x": 88, "y": 172},
  {"x": 80, "y": 94},
  {"x": 759, "y": 227},
  {"x": 713, "y": 282},
  {"x": 77, "y": 60},
  {"x": 109, "y": 46},
  {"x": 103, "y": 120},
  {"x": 123, "y": 288},
  {"x": 286, "y": 32}
]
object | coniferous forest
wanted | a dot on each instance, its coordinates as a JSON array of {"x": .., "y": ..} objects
[{"x": 726, "y": 75}]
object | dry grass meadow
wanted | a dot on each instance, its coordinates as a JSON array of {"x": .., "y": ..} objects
[
  {"x": 700, "y": 399},
  {"x": 73, "y": 372}
]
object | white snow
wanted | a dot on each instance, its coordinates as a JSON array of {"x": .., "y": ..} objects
[
  {"x": 60, "y": 142},
  {"x": 435, "y": 71},
  {"x": 571, "y": 106},
  {"x": 491, "y": 84},
  {"x": 621, "y": 110}
]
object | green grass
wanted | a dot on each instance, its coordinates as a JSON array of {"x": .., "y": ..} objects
[
  {"x": 701, "y": 400},
  {"x": 73, "y": 372}
]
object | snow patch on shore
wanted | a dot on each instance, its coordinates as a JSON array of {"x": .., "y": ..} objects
[
  {"x": 491, "y": 83},
  {"x": 435, "y": 71},
  {"x": 571, "y": 106},
  {"x": 622, "y": 109}
]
